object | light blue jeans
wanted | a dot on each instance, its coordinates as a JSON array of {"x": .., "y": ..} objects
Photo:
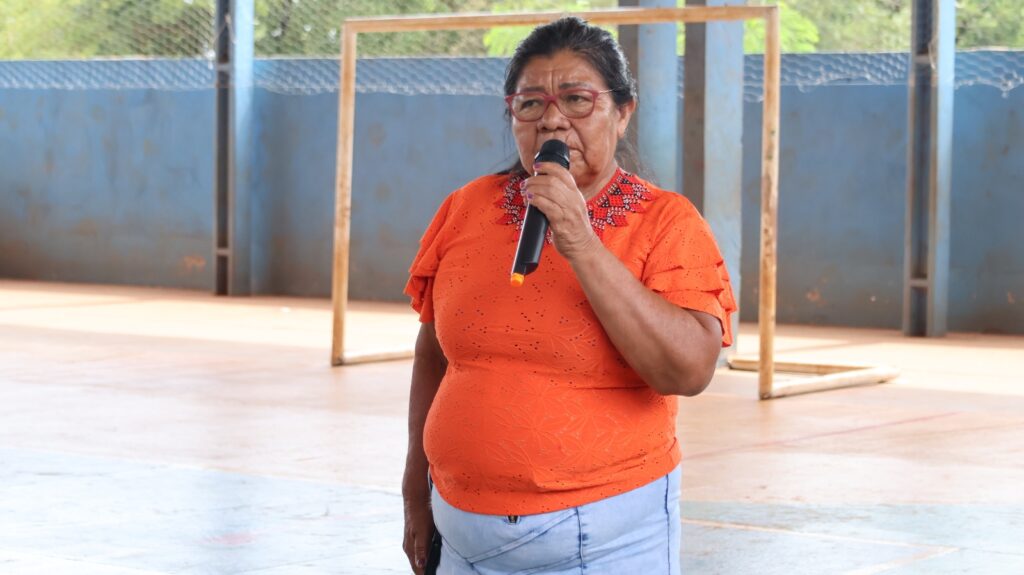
[{"x": 635, "y": 532}]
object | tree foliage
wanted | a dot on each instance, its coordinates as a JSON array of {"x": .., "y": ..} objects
[
  {"x": 94, "y": 28},
  {"x": 798, "y": 32},
  {"x": 861, "y": 26},
  {"x": 287, "y": 27},
  {"x": 89, "y": 28},
  {"x": 987, "y": 23},
  {"x": 503, "y": 41}
]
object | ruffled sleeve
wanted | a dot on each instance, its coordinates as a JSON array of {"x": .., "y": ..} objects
[
  {"x": 686, "y": 267},
  {"x": 420, "y": 287}
]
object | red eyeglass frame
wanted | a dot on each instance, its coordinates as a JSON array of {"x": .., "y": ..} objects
[{"x": 553, "y": 99}]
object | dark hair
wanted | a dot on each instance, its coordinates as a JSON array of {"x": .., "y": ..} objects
[
  {"x": 573, "y": 34},
  {"x": 570, "y": 33}
]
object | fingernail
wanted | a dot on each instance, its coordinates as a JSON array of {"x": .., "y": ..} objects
[
  {"x": 419, "y": 562},
  {"x": 529, "y": 196}
]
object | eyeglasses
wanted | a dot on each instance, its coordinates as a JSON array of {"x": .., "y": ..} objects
[{"x": 573, "y": 103}]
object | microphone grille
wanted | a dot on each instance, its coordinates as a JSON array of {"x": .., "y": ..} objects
[{"x": 554, "y": 151}]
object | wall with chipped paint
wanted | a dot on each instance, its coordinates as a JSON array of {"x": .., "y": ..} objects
[
  {"x": 842, "y": 206},
  {"x": 410, "y": 152},
  {"x": 107, "y": 186},
  {"x": 116, "y": 187}
]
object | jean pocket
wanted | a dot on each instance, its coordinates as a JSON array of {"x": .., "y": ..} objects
[{"x": 533, "y": 544}]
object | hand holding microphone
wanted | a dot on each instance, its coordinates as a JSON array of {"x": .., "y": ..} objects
[
  {"x": 555, "y": 199},
  {"x": 535, "y": 224}
]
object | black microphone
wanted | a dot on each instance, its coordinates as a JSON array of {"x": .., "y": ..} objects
[{"x": 535, "y": 224}]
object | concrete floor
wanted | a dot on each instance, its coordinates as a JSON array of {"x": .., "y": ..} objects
[{"x": 157, "y": 431}]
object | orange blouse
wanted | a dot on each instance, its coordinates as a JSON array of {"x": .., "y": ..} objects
[{"x": 537, "y": 410}]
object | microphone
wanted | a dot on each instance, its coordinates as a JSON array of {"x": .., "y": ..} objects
[{"x": 535, "y": 224}]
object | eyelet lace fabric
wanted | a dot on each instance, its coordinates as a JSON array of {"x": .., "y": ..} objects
[{"x": 538, "y": 410}]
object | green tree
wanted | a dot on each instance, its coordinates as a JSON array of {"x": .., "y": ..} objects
[
  {"x": 311, "y": 27},
  {"x": 798, "y": 32},
  {"x": 858, "y": 26},
  {"x": 84, "y": 28},
  {"x": 884, "y": 25},
  {"x": 27, "y": 28},
  {"x": 986, "y": 23},
  {"x": 503, "y": 41},
  {"x": 91, "y": 28},
  {"x": 184, "y": 28}
]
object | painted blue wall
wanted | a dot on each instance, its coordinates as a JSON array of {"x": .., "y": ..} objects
[
  {"x": 107, "y": 186},
  {"x": 987, "y": 252},
  {"x": 116, "y": 186},
  {"x": 842, "y": 203},
  {"x": 410, "y": 152}
]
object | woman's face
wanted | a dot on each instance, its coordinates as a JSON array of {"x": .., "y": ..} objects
[{"x": 591, "y": 140}]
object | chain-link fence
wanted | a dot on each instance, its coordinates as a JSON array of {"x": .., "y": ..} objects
[
  {"x": 1002, "y": 70},
  {"x": 169, "y": 44},
  {"x": 87, "y": 29},
  {"x": 312, "y": 28},
  {"x": 83, "y": 29}
]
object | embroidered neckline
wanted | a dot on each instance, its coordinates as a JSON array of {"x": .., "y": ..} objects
[{"x": 623, "y": 194}]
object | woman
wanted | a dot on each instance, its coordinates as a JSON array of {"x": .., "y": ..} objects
[{"x": 547, "y": 412}]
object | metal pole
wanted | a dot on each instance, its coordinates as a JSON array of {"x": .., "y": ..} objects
[
  {"x": 234, "y": 119},
  {"x": 629, "y": 41},
  {"x": 657, "y": 117},
  {"x": 712, "y": 135},
  {"x": 222, "y": 166},
  {"x": 929, "y": 168}
]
